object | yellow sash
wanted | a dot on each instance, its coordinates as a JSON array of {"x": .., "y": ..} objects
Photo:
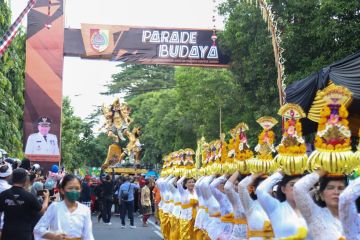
[
  {"x": 193, "y": 203},
  {"x": 267, "y": 231},
  {"x": 240, "y": 221},
  {"x": 217, "y": 215},
  {"x": 228, "y": 218},
  {"x": 178, "y": 204},
  {"x": 301, "y": 234}
]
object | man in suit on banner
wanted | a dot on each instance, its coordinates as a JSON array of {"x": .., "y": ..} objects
[{"x": 42, "y": 142}]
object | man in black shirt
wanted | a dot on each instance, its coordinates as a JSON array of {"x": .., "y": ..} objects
[
  {"x": 20, "y": 208},
  {"x": 107, "y": 187}
]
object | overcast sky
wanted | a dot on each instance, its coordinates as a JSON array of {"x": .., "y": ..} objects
[{"x": 85, "y": 79}]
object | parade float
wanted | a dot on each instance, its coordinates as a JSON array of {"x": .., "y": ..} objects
[{"x": 122, "y": 160}]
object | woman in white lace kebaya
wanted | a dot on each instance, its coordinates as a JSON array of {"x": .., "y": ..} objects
[
  {"x": 239, "y": 220},
  {"x": 322, "y": 218},
  {"x": 348, "y": 211},
  {"x": 286, "y": 219},
  {"x": 175, "y": 209},
  {"x": 164, "y": 206},
  {"x": 226, "y": 210},
  {"x": 189, "y": 203},
  {"x": 259, "y": 226},
  {"x": 211, "y": 222},
  {"x": 201, "y": 214}
]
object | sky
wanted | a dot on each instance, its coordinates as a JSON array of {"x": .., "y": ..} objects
[{"x": 84, "y": 80}]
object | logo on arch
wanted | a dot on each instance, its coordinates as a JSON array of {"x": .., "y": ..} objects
[{"x": 99, "y": 39}]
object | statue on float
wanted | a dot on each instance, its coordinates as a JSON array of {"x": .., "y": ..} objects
[{"x": 117, "y": 122}]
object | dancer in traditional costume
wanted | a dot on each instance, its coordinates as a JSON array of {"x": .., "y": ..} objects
[
  {"x": 348, "y": 210},
  {"x": 165, "y": 198},
  {"x": 331, "y": 159},
  {"x": 226, "y": 210},
  {"x": 189, "y": 201},
  {"x": 212, "y": 223},
  {"x": 201, "y": 214},
  {"x": 174, "y": 210},
  {"x": 259, "y": 226},
  {"x": 239, "y": 220},
  {"x": 286, "y": 219}
]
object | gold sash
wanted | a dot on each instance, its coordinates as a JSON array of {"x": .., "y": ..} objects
[
  {"x": 240, "y": 221},
  {"x": 301, "y": 234},
  {"x": 267, "y": 231},
  {"x": 228, "y": 218}
]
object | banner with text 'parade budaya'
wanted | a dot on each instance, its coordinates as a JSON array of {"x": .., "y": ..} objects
[{"x": 148, "y": 45}]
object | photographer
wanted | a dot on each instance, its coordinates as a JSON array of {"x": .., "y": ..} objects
[{"x": 20, "y": 208}]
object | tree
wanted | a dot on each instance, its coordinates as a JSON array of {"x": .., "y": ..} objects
[
  {"x": 136, "y": 79},
  {"x": 12, "y": 75},
  {"x": 79, "y": 145},
  {"x": 72, "y": 128},
  {"x": 248, "y": 43}
]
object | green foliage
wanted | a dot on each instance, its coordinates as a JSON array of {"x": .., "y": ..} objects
[
  {"x": 138, "y": 79},
  {"x": 317, "y": 33},
  {"x": 79, "y": 146},
  {"x": 247, "y": 41},
  {"x": 12, "y": 75}
]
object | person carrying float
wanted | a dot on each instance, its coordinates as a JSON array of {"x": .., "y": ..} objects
[
  {"x": 259, "y": 226},
  {"x": 329, "y": 163},
  {"x": 189, "y": 200},
  {"x": 286, "y": 219}
]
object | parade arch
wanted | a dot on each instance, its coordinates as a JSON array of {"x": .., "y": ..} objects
[{"x": 48, "y": 42}]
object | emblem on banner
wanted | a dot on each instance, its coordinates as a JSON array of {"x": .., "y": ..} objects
[{"x": 99, "y": 39}]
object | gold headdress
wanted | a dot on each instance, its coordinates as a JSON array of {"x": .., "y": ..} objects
[
  {"x": 332, "y": 143},
  {"x": 291, "y": 155},
  {"x": 263, "y": 162}
]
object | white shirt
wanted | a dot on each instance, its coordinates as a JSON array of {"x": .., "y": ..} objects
[
  {"x": 186, "y": 196},
  {"x": 284, "y": 220},
  {"x": 225, "y": 205},
  {"x": 239, "y": 230},
  {"x": 212, "y": 225},
  {"x": 348, "y": 214},
  {"x": 58, "y": 219},
  {"x": 255, "y": 214},
  {"x": 322, "y": 224},
  {"x": 36, "y": 144}
]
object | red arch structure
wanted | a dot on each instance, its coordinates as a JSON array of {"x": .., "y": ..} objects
[{"x": 48, "y": 42}]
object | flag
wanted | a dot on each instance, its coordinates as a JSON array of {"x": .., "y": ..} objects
[{"x": 6, "y": 40}]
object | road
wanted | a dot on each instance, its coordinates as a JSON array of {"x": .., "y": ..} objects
[{"x": 115, "y": 232}]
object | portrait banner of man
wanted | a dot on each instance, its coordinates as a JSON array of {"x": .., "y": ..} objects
[{"x": 42, "y": 145}]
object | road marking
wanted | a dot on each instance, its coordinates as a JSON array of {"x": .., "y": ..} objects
[
  {"x": 156, "y": 226},
  {"x": 159, "y": 234}
]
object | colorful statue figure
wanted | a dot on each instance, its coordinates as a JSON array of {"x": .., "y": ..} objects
[
  {"x": 332, "y": 143},
  {"x": 243, "y": 152},
  {"x": 117, "y": 121},
  {"x": 263, "y": 162},
  {"x": 292, "y": 150}
]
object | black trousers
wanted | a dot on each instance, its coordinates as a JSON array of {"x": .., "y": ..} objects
[
  {"x": 106, "y": 211},
  {"x": 127, "y": 206}
]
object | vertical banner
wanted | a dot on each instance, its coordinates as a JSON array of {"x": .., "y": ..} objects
[{"x": 43, "y": 82}]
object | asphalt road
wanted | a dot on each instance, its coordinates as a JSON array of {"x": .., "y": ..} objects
[{"x": 115, "y": 232}]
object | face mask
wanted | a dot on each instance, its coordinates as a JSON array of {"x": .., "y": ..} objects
[{"x": 72, "y": 196}]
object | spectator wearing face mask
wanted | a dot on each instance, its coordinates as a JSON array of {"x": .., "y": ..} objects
[{"x": 68, "y": 219}]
